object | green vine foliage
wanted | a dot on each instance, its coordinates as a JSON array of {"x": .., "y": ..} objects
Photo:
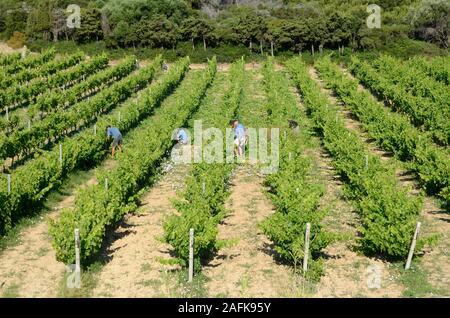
[
  {"x": 32, "y": 181},
  {"x": 295, "y": 196},
  {"x": 393, "y": 132},
  {"x": 438, "y": 68},
  {"x": 21, "y": 93},
  {"x": 426, "y": 103},
  {"x": 41, "y": 71},
  {"x": 56, "y": 124},
  {"x": 97, "y": 208},
  {"x": 9, "y": 59},
  {"x": 14, "y": 64},
  {"x": 199, "y": 209},
  {"x": 388, "y": 214}
]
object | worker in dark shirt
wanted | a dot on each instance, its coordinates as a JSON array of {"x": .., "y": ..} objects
[
  {"x": 115, "y": 134},
  {"x": 294, "y": 126}
]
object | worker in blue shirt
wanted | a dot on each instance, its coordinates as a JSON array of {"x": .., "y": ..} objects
[
  {"x": 239, "y": 137},
  {"x": 182, "y": 136},
  {"x": 115, "y": 134}
]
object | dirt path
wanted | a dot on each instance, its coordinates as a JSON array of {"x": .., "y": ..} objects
[
  {"x": 435, "y": 261},
  {"x": 248, "y": 268},
  {"x": 5, "y": 49},
  {"x": 347, "y": 273},
  {"x": 30, "y": 269},
  {"x": 134, "y": 269}
]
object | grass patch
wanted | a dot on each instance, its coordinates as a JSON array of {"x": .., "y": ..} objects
[
  {"x": 42, "y": 252},
  {"x": 177, "y": 283},
  {"x": 153, "y": 283},
  {"x": 416, "y": 282},
  {"x": 11, "y": 291},
  {"x": 89, "y": 280},
  {"x": 244, "y": 284},
  {"x": 145, "y": 267}
]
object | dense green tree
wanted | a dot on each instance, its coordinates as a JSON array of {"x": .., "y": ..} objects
[
  {"x": 197, "y": 28},
  {"x": 432, "y": 21},
  {"x": 158, "y": 32},
  {"x": 285, "y": 24},
  {"x": 14, "y": 19},
  {"x": 120, "y": 35},
  {"x": 91, "y": 26}
]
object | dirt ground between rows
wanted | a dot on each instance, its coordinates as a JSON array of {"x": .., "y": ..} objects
[
  {"x": 134, "y": 269},
  {"x": 248, "y": 268}
]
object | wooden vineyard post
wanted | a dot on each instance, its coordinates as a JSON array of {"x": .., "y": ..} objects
[
  {"x": 7, "y": 113},
  {"x": 413, "y": 246},
  {"x": 203, "y": 188},
  {"x": 366, "y": 165},
  {"x": 77, "y": 258},
  {"x": 106, "y": 184},
  {"x": 29, "y": 124},
  {"x": 9, "y": 183},
  {"x": 120, "y": 117},
  {"x": 305, "y": 257},
  {"x": 95, "y": 129},
  {"x": 60, "y": 154},
  {"x": 191, "y": 255}
]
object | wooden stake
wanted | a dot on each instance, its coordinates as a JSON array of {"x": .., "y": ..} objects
[
  {"x": 7, "y": 113},
  {"x": 77, "y": 257},
  {"x": 191, "y": 255},
  {"x": 60, "y": 154},
  {"x": 305, "y": 257},
  {"x": 203, "y": 188},
  {"x": 95, "y": 129},
  {"x": 106, "y": 184},
  {"x": 29, "y": 124},
  {"x": 9, "y": 182},
  {"x": 366, "y": 165},
  {"x": 413, "y": 246}
]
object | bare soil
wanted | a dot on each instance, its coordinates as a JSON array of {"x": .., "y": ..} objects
[
  {"x": 249, "y": 267},
  {"x": 5, "y": 49},
  {"x": 133, "y": 268}
]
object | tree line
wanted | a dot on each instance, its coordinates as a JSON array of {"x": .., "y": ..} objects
[{"x": 258, "y": 25}]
